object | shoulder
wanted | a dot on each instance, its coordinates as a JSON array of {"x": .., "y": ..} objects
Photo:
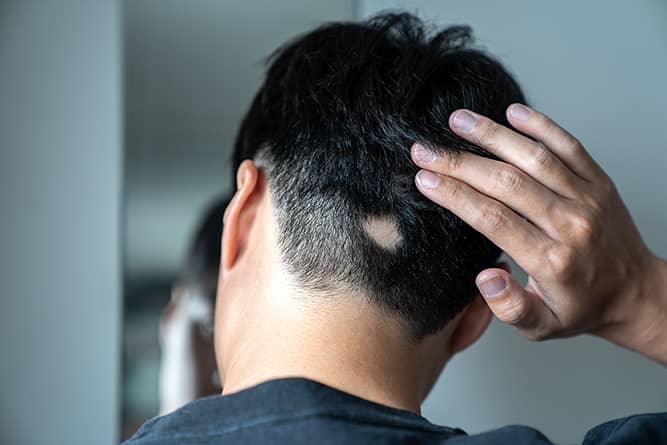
[
  {"x": 632, "y": 430},
  {"x": 192, "y": 419},
  {"x": 640, "y": 428},
  {"x": 512, "y": 434}
]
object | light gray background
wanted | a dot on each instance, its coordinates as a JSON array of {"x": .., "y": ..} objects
[
  {"x": 60, "y": 183},
  {"x": 599, "y": 68}
]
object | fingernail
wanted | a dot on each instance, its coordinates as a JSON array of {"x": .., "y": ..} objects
[
  {"x": 520, "y": 112},
  {"x": 422, "y": 154},
  {"x": 428, "y": 180},
  {"x": 464, "y": 121},
  {"x": 493, "y": 286}
]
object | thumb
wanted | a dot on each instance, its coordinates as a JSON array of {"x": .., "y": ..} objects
[{"x": 511, "y": 303}]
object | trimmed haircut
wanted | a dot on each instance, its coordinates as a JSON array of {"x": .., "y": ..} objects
[{"x": 332, "y": 126}]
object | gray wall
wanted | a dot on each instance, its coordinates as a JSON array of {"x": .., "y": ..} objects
[
  {"x": 599, "y": 68},
  {"x": 60, "y": 152}
]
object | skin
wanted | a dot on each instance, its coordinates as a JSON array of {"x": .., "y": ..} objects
[
  {"x": 594, "y": 274},
  {"x": 267, "y": 327}
]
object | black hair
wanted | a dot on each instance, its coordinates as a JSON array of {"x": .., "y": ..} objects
[
  {"x": 202, "y": 259},
  {"x": 332, "y": 125}
]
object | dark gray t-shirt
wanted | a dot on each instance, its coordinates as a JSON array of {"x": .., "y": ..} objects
[{"x": 301, "y": 411}]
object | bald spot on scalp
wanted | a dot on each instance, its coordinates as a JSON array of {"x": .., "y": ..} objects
[{"x": 383, "y": 230}]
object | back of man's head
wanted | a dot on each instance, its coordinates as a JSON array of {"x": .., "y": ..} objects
[{"x": 332, "y": 126}]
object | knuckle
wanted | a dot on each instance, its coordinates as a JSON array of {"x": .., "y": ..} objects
[
  {"x": 588, "y": 230},
  {"x": 542, "y": 159},
  {"x": 607, "y": 188},
  {"x": 486, "y": 132},
  {"x": 494, "y": 217},
  {"x": 561, "y": 261},
  {"x": 508, "y": 180},
  {"x": 513, "y": 311},
  {"x": 571, "y": 142},
  {"x": 455, "y": 190},
  {"x": 586, "y": 226}
]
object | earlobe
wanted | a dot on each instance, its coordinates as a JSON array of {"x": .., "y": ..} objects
[
  {"x": 232, "y": 235},
  {"x": 472, "y": 324},
  {"x": 474, "y": 320}
]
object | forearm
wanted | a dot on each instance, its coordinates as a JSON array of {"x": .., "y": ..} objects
[{"x": 643, "y": 326}]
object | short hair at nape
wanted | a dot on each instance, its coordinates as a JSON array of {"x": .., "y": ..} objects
[{"x": 333, "y": 124}]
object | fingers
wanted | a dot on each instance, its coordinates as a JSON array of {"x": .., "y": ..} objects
[
  {"x": 509, "y": 231},
  {"x": 559, "y": 141},
  {"x": 531, "y": 157},
  {"x": 497, "y": 180},
  {"x": 514, "y": 305}
]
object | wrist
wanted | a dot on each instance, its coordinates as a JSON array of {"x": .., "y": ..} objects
[{"x": 639, "y": 322}]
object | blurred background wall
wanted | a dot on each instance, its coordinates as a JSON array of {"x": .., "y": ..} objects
[
  {"x": 598, "y": 68},
  {"x": 60, "y": 195}
]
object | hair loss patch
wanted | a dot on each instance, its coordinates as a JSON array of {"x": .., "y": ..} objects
[{"x": 383, "y": 230}]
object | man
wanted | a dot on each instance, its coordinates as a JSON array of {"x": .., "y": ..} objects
[{"x": 343, "y": 292}]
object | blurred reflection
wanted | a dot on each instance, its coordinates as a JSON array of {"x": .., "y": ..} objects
[
  {"x": 187, "y": 364},
  {"x": 163, "y": 372}
]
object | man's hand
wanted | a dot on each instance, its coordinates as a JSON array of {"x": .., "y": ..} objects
[{"x": 558, "y": 215}]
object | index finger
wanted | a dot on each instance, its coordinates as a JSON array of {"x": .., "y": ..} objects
[
  {"x": 516, "y": 149},
  {"x": 555, "y": 160},
  {"x": 562, "y": 143},
  {"x": 515, "y": 235}
]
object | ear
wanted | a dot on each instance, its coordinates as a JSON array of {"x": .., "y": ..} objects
[
  {"x": 240, "y": 215},
  {"x": 472, "y": 322}
]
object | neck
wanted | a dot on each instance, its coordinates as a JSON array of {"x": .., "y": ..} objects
[{"x": 355, "y": 349}]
